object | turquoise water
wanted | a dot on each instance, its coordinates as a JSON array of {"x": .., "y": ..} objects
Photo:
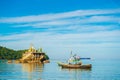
[{"x": 101, "y": 70}]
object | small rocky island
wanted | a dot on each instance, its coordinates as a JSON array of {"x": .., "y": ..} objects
[
  {"x": 34, "y": 56},
  {"x": 30, "y": 55}
]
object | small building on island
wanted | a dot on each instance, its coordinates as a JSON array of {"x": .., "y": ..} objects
[{"x": 34, "y": 56}]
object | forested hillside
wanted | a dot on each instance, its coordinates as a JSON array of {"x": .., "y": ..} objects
[{"x": 9, "y": 54}]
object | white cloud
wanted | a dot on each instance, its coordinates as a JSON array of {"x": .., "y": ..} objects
[
  {"x": 77, "y": 24},
  {"x": 55, "y": 16},
  {"x": 79, "y": 20},
  {"x": 104, "y": 19},
  {"x": 103, "y": 36}
]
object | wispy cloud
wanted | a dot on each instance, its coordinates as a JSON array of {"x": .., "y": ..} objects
[
  {"x": 102, "y": 36},
  {"x": 76, "y": 21},
  {"x": 56, "y": 16}
]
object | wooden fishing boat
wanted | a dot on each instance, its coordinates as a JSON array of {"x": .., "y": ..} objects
[{"x": 75, "y": 66}]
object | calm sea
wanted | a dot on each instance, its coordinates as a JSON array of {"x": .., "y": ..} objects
[{"x": 101, "y": 70}]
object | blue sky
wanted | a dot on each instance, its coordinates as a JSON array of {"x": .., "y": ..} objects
[{"x": 89, "y": 28}]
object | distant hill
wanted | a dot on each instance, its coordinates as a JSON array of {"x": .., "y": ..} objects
[{"x": 9, "y": 54}]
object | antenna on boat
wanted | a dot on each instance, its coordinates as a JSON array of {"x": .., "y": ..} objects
[{"x": 71, "y": 54}]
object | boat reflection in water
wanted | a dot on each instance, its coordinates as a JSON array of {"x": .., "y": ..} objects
[
  {"x": 72, "y": 69},
  {"x": 32, "y": 67},
  {"x": 77, "y": 74}
]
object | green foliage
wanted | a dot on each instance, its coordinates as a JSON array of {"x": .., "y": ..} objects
[
  {"x": 10, "y": 54},
  {"x": 46, "y": 57}
]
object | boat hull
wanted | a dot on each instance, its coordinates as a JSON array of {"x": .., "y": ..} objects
[{"x": 75, "y": 66}]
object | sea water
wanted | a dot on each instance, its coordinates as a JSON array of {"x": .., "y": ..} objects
[{"x": 101, "y": 70}]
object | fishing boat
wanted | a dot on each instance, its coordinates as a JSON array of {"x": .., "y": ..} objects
[
  {"x": 75, "y": 66},
  {"x": 74, "y": 62}
]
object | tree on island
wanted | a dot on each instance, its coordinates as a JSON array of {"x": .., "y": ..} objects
[{"x": 10, "y": 54}]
